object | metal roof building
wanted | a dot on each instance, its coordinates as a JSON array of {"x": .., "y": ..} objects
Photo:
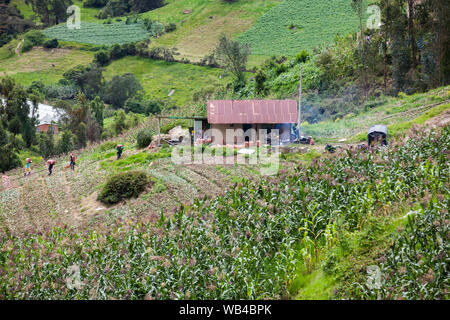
[{"x": 252, "y": 111}]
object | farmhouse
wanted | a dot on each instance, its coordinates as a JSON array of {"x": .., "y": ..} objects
[
  {"x": 246, "y": 119},
  {"x": 47, "y": 124}
]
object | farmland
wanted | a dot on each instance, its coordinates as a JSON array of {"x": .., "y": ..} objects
[
  {"x": 248, "y": 243},
  {"x": 198, "y": 30},
  {"x": 99, "y": 34},
  {"x": 296, "y": 25},
  {"x": 40, "y": 64}
]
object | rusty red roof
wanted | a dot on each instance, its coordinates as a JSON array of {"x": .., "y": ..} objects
[{"x": 252, "y": 111}]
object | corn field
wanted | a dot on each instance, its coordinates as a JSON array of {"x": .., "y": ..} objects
[{"x": 248, "y": 242}]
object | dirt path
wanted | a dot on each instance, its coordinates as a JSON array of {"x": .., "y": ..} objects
[{"x": 17, "y": 50}]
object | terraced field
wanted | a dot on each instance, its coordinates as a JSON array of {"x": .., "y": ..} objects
[{"x": 297, "y": 25}]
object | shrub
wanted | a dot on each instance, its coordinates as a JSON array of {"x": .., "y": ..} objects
[
  {"x": 302, "y": 57},
  {"x": 36, "y": 37},
  {"x": 144, "y": 138},
  {"x": 102, "y": 57},
  {"x": 53, "y": 43},
  {"x": 109, "y": 145},
  {"x": 169, "y": 126},
  {"x": 27, "y": 45},
  {"x": 124, "y": 185},
  {"x": 171, "y": 27}
]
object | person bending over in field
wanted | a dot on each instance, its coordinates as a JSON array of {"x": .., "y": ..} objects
[
  {"x": 50, "y": 163},
  {"x": 72, "y": 161}
]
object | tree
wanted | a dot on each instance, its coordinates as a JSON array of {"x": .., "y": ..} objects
[
  {"x": 121, "y": 88},
  {"x": 145, "y": 5},
  {"x": 88, "y": 79},
  {"x": 81, "y": 135},
  {"x": 50, "y": 11},
  {"x": 233, "y": 55},
  {"x": 65, "y": 144},
  {"x": 98, "y": 109},
  {"x": 102, "y": 57},
  {"x": 119, "y": 121},
  {"x": 8, "y": 157},
  {"x": 11, "y": 22},
  {"x": 46, "y": 144}
]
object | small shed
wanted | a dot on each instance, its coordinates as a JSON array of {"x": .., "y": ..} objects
[{"x": 377, "y": 134}]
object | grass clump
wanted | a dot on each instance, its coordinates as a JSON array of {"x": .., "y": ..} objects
[
  {"x": 124, "y": 185},
  {"x": 144, "y": 138}
]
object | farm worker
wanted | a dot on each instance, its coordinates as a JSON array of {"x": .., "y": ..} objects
[
  {"x": 28, "y": 167},
  {"x": 51, "y": 163},
  {"x": 72, "y": 161},
  {"x": 119, "y": 149}
]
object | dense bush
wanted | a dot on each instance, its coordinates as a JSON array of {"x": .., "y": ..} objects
[
  {"x": 109, "y": 145},
  {"x": 144, "y": 138},
  {"x": 53, "y": 43},
  {"x": 27, "y": 45},
  {"x": 165, "y": 128},
  {"x": 36, "y": 37},
  {"x": 102, "y": 57},
  {"x": 123, "y": 185},
  {"x": 63, "y": 92}
]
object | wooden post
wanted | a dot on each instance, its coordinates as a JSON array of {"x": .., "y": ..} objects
[
  {"x": 159, "y": 131},
  {"x": 300, "y": 102}
]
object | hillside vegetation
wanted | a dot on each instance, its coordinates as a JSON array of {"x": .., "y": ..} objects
[
  {"x": 296, "y": 25},
  {"x": 201, "y": 22},
  {"x": 100, "y": 34},
  {"x": 159, "y": 78},
  {"x": 250, "y": 242}
]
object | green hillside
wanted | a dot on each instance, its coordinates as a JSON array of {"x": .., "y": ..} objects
[
  {"x": 329, "y": 240},
  {"x": 159, "y": 78},
  {"x": 201, "y": 22},
  {"x": 296, "y": 25}
]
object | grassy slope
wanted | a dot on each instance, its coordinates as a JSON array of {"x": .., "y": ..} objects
[
  {"x": 40, "y": 64},
  {"x": 87, "y": 14},
  {"x": 395, "y": 112},
  {"x": 197, "y": 33},
  {"x": 159, "y": 77},
  {"x": 175, "y": 184}
]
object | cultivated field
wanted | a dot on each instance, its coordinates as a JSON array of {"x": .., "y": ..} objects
[
  {"x": 297, "y": 25},
  {"x": 201, "y": 22},
  {"x": 100, "y": 34},
  {"x": 254, "y": 241}
]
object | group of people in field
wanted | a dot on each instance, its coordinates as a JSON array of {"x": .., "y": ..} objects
[{"x": 51, "y": 163}]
